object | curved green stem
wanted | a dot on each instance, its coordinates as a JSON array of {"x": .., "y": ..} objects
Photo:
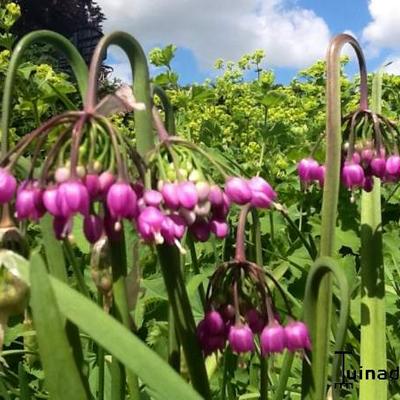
[
  {"x": 141, "y": 86},
  {"x": 373, "y": 311},
  {"x": 317, "y": 374},
  {"x": 322, "y": 267},
  {"x": 63, "y": 45},
  {"x": 167, "y": 107}
]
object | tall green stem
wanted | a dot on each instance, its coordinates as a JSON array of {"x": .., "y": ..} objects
[
  {"x": 170, "y": 266},
  {"x": 256, "y": 233},
  {"x": 169, "y": 257},
  {"x": 315, "y": 377},
  {"x": 174, "y": 348},
  {"x": 60, "y": 43},
  {"x": 373, "y": 319}
]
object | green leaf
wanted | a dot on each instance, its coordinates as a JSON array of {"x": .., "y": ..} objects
[
  {"x": 53, "y": 250},
  {"x": 122, "y": 344},
  {"x": 61, "y": 374},
  {"x": 165, "y": 383}
]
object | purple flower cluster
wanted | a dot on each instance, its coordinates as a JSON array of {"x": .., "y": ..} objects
[
  {"x": 357, "y": 171},
  {"x": 219, "y": 327},
  {"x": 159, "y": 215}
]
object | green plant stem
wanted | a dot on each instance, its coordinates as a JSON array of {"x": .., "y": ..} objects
[
  {"x": 196, "y": 268},
  {"x": 141, "y": 86},
  {"x": 174, "y": 348},
  {"x": 61, "y": 44},
  {"x": 100, "y": 359},
  {"x": 315, "y": 378},
  {"x": 167, "y": 107},
  {"x": 171, "y": 269},
  {"x": 373, "y": 318},
  {"x": 256, "y": 233},
  {"x": 120, "y": 306},
  {"x": 320, "y": 269},
  {"x": 75, "y": 267},
  {"x": 279, "y": 392}
]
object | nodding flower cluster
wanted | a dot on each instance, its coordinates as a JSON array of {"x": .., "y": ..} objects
[
  {"x": 93, "y": 171},
  {"x": 240, "y": 309},
  {"x": 370, "y": 151},
  {"x": 239, "y": 320}
]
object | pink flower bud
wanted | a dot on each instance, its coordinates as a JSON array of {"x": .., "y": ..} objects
[
  {"x": 50, "y": 201},
  {"x": 169, "y": 192},
  {"x": 8, "y": 186},
  {"x": 106, "y": 179},
  {"x": 241, "y": 338},
  {"x": 122, "y": 200},
  {"x": 200, "y": 230},
  {"x": 187, "y": 194},
  {"x": 92, "y": 228},
  {"x": 352, "y": 175},
  {"x": 306, "y": 169},
  {"x": 203, "y": 190},
  {"x": 219, "y": 228},
  {"x": 149, "y": 224},
  {"x": 238, "y": 190},
  {"x": 273, "y": 338},
  {"x": 62, "y": 227},
  {"x": 393, "y": 165},
  {"x": 378, "y": 167},
  {"x": 215, "y": 196},
  {"x": 72, "y": 197},
  {"x": 92, "y": 183},
  {"x": 255, "y": 320},
  {"x": 152, "y": 198},
  {"x": 297, "y": 336},
  {"x": 29, "y": 201}
]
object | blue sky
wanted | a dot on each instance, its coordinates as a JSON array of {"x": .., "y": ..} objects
[{"x": 293, "y": 33}]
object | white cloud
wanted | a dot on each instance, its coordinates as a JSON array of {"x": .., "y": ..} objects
[
  {"x": 291, "y": 36},
  {"x": 384, "y": 29}
]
